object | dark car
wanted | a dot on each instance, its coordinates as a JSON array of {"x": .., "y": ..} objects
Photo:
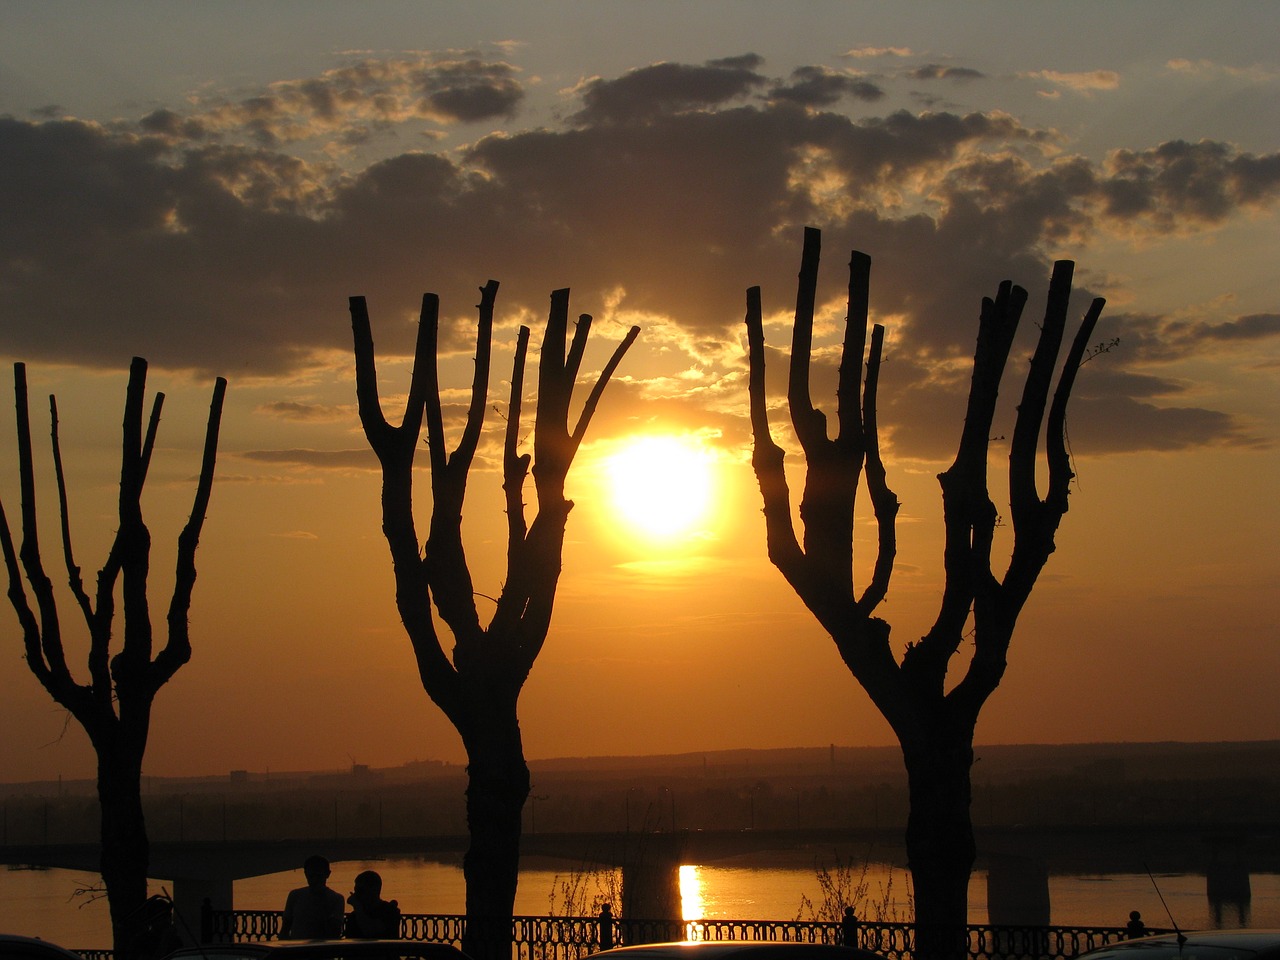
[
  {"x": 737, "y": 950},
  {"x": 13, "y": 947},
  {"x": 322, "y": 950},
  {"x": 1200, "y": 945}
]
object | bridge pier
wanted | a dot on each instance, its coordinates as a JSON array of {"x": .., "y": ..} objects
[
  {"x": 1017, "y": 891},
  {"x": 1230, "y": 894},
  {"x": 651, "y": 880}
]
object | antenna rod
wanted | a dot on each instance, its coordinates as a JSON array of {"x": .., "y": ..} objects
[{"x": 1181, "y": 936}]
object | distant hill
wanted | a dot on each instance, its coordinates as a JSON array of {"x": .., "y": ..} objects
[{"x": 996, "y": 764}]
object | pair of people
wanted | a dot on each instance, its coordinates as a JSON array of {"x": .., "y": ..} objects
[{"x": 316, "y": 911}]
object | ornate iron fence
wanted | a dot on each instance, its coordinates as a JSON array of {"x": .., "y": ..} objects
[{"x": 571, "y": 938}]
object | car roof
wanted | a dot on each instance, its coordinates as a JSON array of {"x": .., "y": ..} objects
[
  {"x": 739, "y": 950},
  {"x": 15, "y": 945},
  {"x": 1217, "y": 944},
  {"x": 322, "y": 950}
]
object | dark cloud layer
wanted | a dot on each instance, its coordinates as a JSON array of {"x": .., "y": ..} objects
[
  {"x": 362, "y": 459},
  {"x": 194, "y": 239},
  {"x": 667, "y": 87},
  {"x": 821, "y": 87},
  {"x": 1191, "y": 184},
  {"x": 935, "y": 71}
]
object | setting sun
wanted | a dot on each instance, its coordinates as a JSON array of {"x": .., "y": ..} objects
[{"x": 661, "y": 486}]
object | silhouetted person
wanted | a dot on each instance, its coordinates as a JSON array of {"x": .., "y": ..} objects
[
  {"x": 1135, "y": 927},
  {"x": 313, "y": 911},
  {"x": 606, "y": 926},
  {"x": 371, "y": 917}
]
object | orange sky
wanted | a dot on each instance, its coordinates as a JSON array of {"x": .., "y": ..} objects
[{"x": 214, "y": 214}]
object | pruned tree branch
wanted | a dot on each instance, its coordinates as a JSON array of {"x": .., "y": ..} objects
[
  {"x": 177, "y": 650},
  {"x": 767, "y": 458},
  {"x": 820, "y": 568},
  {"x": 440, "y": 575},
  {"x": 446, "y": 558},
  {"x": 131, "y": 665},
  {"x": 1060, "y": 473},
  {"x": 810, "y": 425},
  {"x": 395, "y": 448},
  {"x": 42, "y": 635},
  {"x": 515, "y": 466},
  {"x": 1024, "y": 500},
  {"x": 597, "y": 390},
  {"x": 74, "y": 579},
  {"x": 884, "y": 501},
  {"x": 852, "y": 350}
]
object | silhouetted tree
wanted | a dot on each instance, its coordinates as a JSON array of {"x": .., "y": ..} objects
[
  {"x": 479, "y": 685},
  {"x": 934, "y": 724},
  {"x": 114, "y": 705}
]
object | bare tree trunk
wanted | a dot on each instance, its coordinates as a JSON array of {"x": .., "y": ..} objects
[
  {"x": 125, "y": 853},
  {"x": 939, "y": 840},
  {"x": 497, "y": 788}
]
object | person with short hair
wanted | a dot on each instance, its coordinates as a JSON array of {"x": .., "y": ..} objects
[
  {"x": 314, "y": 911},
  {"x": 371, "y": 917}
]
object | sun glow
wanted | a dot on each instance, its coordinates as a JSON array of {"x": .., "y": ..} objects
[{"x": 662, "y": 486}]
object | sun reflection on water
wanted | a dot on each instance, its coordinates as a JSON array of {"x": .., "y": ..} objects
[{"x": 692, "y": 906}]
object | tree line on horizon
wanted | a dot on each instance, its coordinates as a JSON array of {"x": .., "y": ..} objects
[{"x": 477, "y": 684}]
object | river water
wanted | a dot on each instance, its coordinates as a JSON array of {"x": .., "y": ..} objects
[{"x": 44, "y": 903}]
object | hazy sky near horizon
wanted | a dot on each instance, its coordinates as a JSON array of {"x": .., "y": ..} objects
[{"x": 205, "y": 184}]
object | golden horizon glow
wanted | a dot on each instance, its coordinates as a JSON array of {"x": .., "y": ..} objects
[{"x": 661, "y": 485}]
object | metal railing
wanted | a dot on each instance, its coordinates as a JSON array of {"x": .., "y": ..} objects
[{"x": 571, "y": 938}]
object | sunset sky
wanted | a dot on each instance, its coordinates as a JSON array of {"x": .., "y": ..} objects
[{"x": 204, "y": 185}]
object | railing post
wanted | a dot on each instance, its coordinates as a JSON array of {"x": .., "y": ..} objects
[
  {"x": 206, "y": 920},
  {"x": 849, "y": 927}
]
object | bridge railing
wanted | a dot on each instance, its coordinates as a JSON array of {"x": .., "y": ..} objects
[{"x": 572, "y": 938}]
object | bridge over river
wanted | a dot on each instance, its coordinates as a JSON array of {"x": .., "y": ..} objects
[{"x": 1017, "y": 860}]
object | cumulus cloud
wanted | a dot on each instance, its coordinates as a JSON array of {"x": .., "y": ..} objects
[
  {"x": 860, "y": 53},
  {"x": 366, "y": 93},
  {"x": 1086, "y": 83},
  {"x": 195, "y": 239},
  {"x": 1207, "y": 68},
  {"x": 1180, "y": 185},
  {"x": 1173, "y": 188}
]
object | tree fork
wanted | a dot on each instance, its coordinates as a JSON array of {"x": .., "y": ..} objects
[
  {"x": 934, "y": 726},
  {"x": 478, "y": 685}
]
